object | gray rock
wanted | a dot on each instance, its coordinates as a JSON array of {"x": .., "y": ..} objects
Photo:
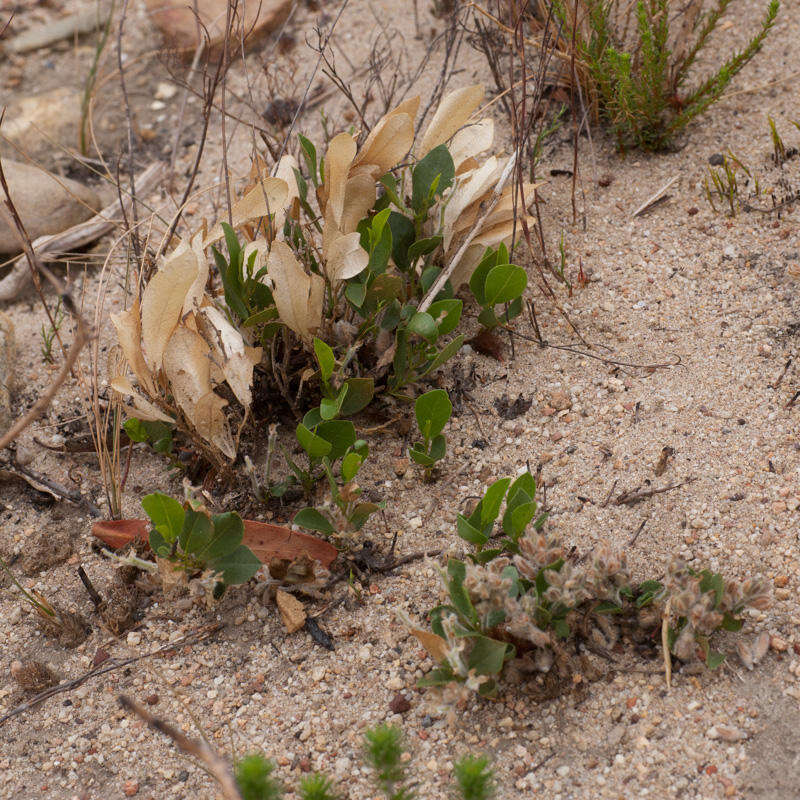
[
  {"x": 7, "y": 358},
  {"x": 41, "y": 125},
  {"x": 46, "y": 204}
]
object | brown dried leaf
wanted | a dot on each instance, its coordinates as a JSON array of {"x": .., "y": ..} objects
[
  {"x": 468, "y": 190},
  {"x": 298, "y": 296},
  {"x": 129, "y": 332},
  {"x": 388, "y": 142},
  {"x": 188, "y": 368},
  {"x": 293, "y": 613},
  {"x": 432, "y": 642},
  {"x": 234, "y": 357},
  {"x": 346, "y": 258},
  {"x": 267, "y": 197},
  {"x": 142, "y": 408},
  {"x": 211, "y": 424},
  {"x": 340, "y": 155},
  {"x": 471, "y": 141},
  {"x": 453, "y": 112},
  {"x": 162, "y": 303}
]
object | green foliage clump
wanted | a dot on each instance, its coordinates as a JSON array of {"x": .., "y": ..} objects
[
  {"x": 642, "y": 86},
  {"x": 529, "y": 597},
  {"x": 196, "y": 540}
]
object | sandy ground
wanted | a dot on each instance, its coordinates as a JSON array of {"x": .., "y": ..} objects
[{"x": 679, "y": 283}]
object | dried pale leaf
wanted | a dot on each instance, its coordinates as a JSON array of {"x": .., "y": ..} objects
[
  {"x": 210, "y": 422},
  {"x": 233, "y": 356},
  {"x": 293, "y": 613},
  {"x": 491, "y": 237},
  {"x": 463, "y": 271},
  {"x": 340, "y": 155},
  {"x": 469, "y": 190},
  {"x": 196, "y": 294},
  {"x": 432, "y": 642},
  {"x": 466, "y": 166},
  {"x": 285, "y": 172},
  {"x": 162, "y": 303},
  {"x": 453, "y": 112},
  {"x": 760, "y": 646},
  {"x": 388, "y": 142},
  {"x": 129, "y": 332},
  {"x": 298, "y": 296},
  {"x": 471, "y": 141},
  {"x": 360, "y": 195},
  {"x": 346, "y": 258},
  {"x": 142, "y": 409},
  {"x": 745, "y": 653},
  {"x": 261, "y": 249},
  {"x": 187, "y": 366},
  {"x": 267, "y": 197}
]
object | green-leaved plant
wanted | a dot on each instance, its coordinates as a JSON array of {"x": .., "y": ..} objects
[
  {"x": 529, "y": 597},
  {"x": 432, "y": 410},
  {"x": 643, "y": 77},
  {"x": 196, "y": 540}
]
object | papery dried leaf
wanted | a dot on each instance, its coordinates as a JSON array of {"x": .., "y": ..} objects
[
  {"x": 471, "y": 141},
  {"x": 196, "y": 293},
  {"x": 162, "y": 303},
  {"x": 346, "y": 258},
  {"x": 209, "y": 420},
  {"x": 432, "y": 642},
  {"x": 267, "y": 197},
  {"x": 760, "y": 646},
  {"x": 187, "y": 366},
  {"x": 388, "y": 142},
  {"x": 298, "y": 296},
  {"x": 261, "y": 248},
  {"x": 359, "y": 198},
  {"x": 285, "y": 171},
  {"x": 234, "y": 357},
  {"x": 129, "y": 332},
  {"x": 293, "y": 613},
  {"x": 453, "y": 112},
  {"x": 491, "y": 237},
  {"x": 464, "y": 269},
  {"x": 469, "y": 190},
  {"x": 340, "y": 155},
  {"x": 142, "y": 409}
]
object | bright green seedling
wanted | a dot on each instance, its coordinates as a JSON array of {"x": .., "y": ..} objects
[
  {"x": 346, "y": 513},
  {"x": 255, "y": 779},
  {"x": 354, "y": 394},
  {"x": 433, "y": 410},
  {"x": 383, "y": 751},
  {"x": 521, "y": 509},
  {"x": 198, "y": 541},
  {"x": 474, "y": 778},
  {"x": 496, "y": 282}
]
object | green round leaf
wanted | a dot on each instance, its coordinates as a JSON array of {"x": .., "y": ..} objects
[
  {"x": 313, "y": 520},
  {"x": 432, "y": 410},
  {"x": 165, "y": 513},
  {"x": 505, "y": 283}
]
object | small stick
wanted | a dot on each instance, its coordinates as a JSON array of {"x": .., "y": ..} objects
[
  {"x": 794, "y": 399},
  {"x": 635, "y": 536},
  {"x": 89, "y": 586},
  {"x": 635, "y": 496},
  {"x": 655, "y": 197},
  {"x": 665, "y": 644},
  {"x": 491, "y": 203},
  {"x": 608, "y": 496},
  {"x": 217, "y": 766},
  {"x": 57, "y": 489}
]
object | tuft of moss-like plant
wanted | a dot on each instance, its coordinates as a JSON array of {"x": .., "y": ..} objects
[{"x": 640, "y": 70}]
